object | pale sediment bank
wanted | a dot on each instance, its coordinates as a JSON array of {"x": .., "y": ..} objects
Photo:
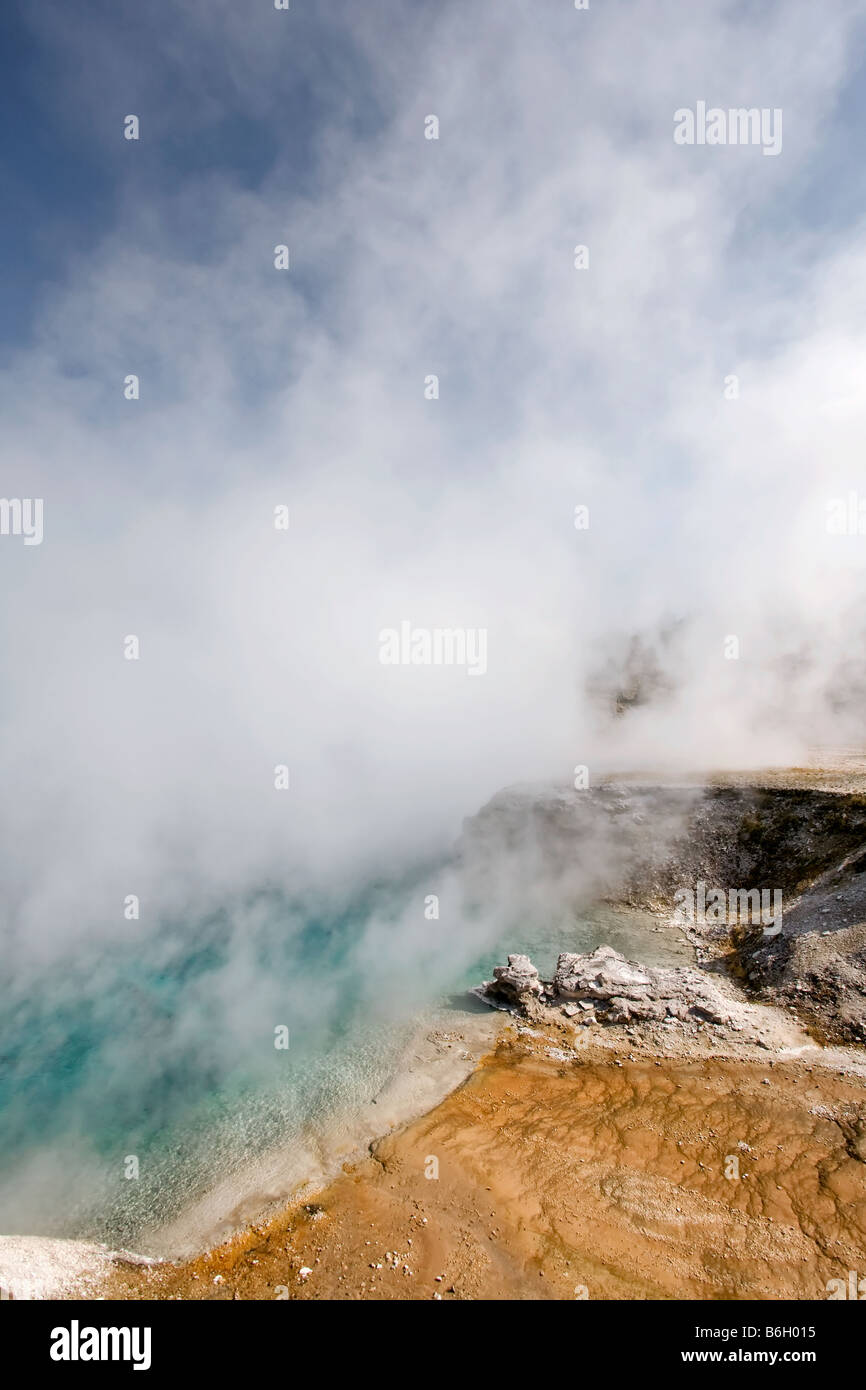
[{"x": 37, "y": 1267}]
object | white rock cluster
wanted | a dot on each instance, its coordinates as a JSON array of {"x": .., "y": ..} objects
[{"x": 606, "y": 985}]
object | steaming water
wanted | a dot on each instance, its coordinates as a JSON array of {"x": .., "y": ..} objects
[{"x": 162, "y": 1051}]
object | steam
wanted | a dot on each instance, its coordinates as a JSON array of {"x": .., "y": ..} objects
[{"x": 602, "y": 387}]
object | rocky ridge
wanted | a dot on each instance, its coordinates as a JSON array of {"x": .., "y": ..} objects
[
  {"x": 604, "y": 986},
  {"x": 640, "y": 845}
]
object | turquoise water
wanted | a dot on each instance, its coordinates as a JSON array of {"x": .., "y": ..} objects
[
  {"x": 632, "y": 932},
  {"x": 162, "y": 1049}
]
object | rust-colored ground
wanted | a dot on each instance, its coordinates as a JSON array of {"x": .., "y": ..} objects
[{"x": 601, "y": 1175}]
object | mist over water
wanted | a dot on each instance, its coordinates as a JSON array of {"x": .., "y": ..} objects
[
  {"x": 151, "y": 1049},
  {"x": 164, "y": 1048}
]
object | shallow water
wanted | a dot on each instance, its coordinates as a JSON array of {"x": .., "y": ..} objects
[
  {"x": 134, "y": 1081},
  {"x": 636, "y": 934}
]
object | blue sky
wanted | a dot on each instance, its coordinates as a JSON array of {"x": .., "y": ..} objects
[
  {"x": 68, "y": 75},
  {"x": 57, "y": 192},
  {"x": 69, "y": 78}
]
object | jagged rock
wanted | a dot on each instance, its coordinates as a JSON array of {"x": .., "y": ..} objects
[
  {"x": 599, "y": 976},
  {"x": 623, "y": 1010},
  {"x": 675, "y": 1008},
  {"x": 710, "y": 1011},
  {"x": 517, "y": 982},
  {"x": 617, "y": 989},
  {"x": 633, "y": 991}
]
